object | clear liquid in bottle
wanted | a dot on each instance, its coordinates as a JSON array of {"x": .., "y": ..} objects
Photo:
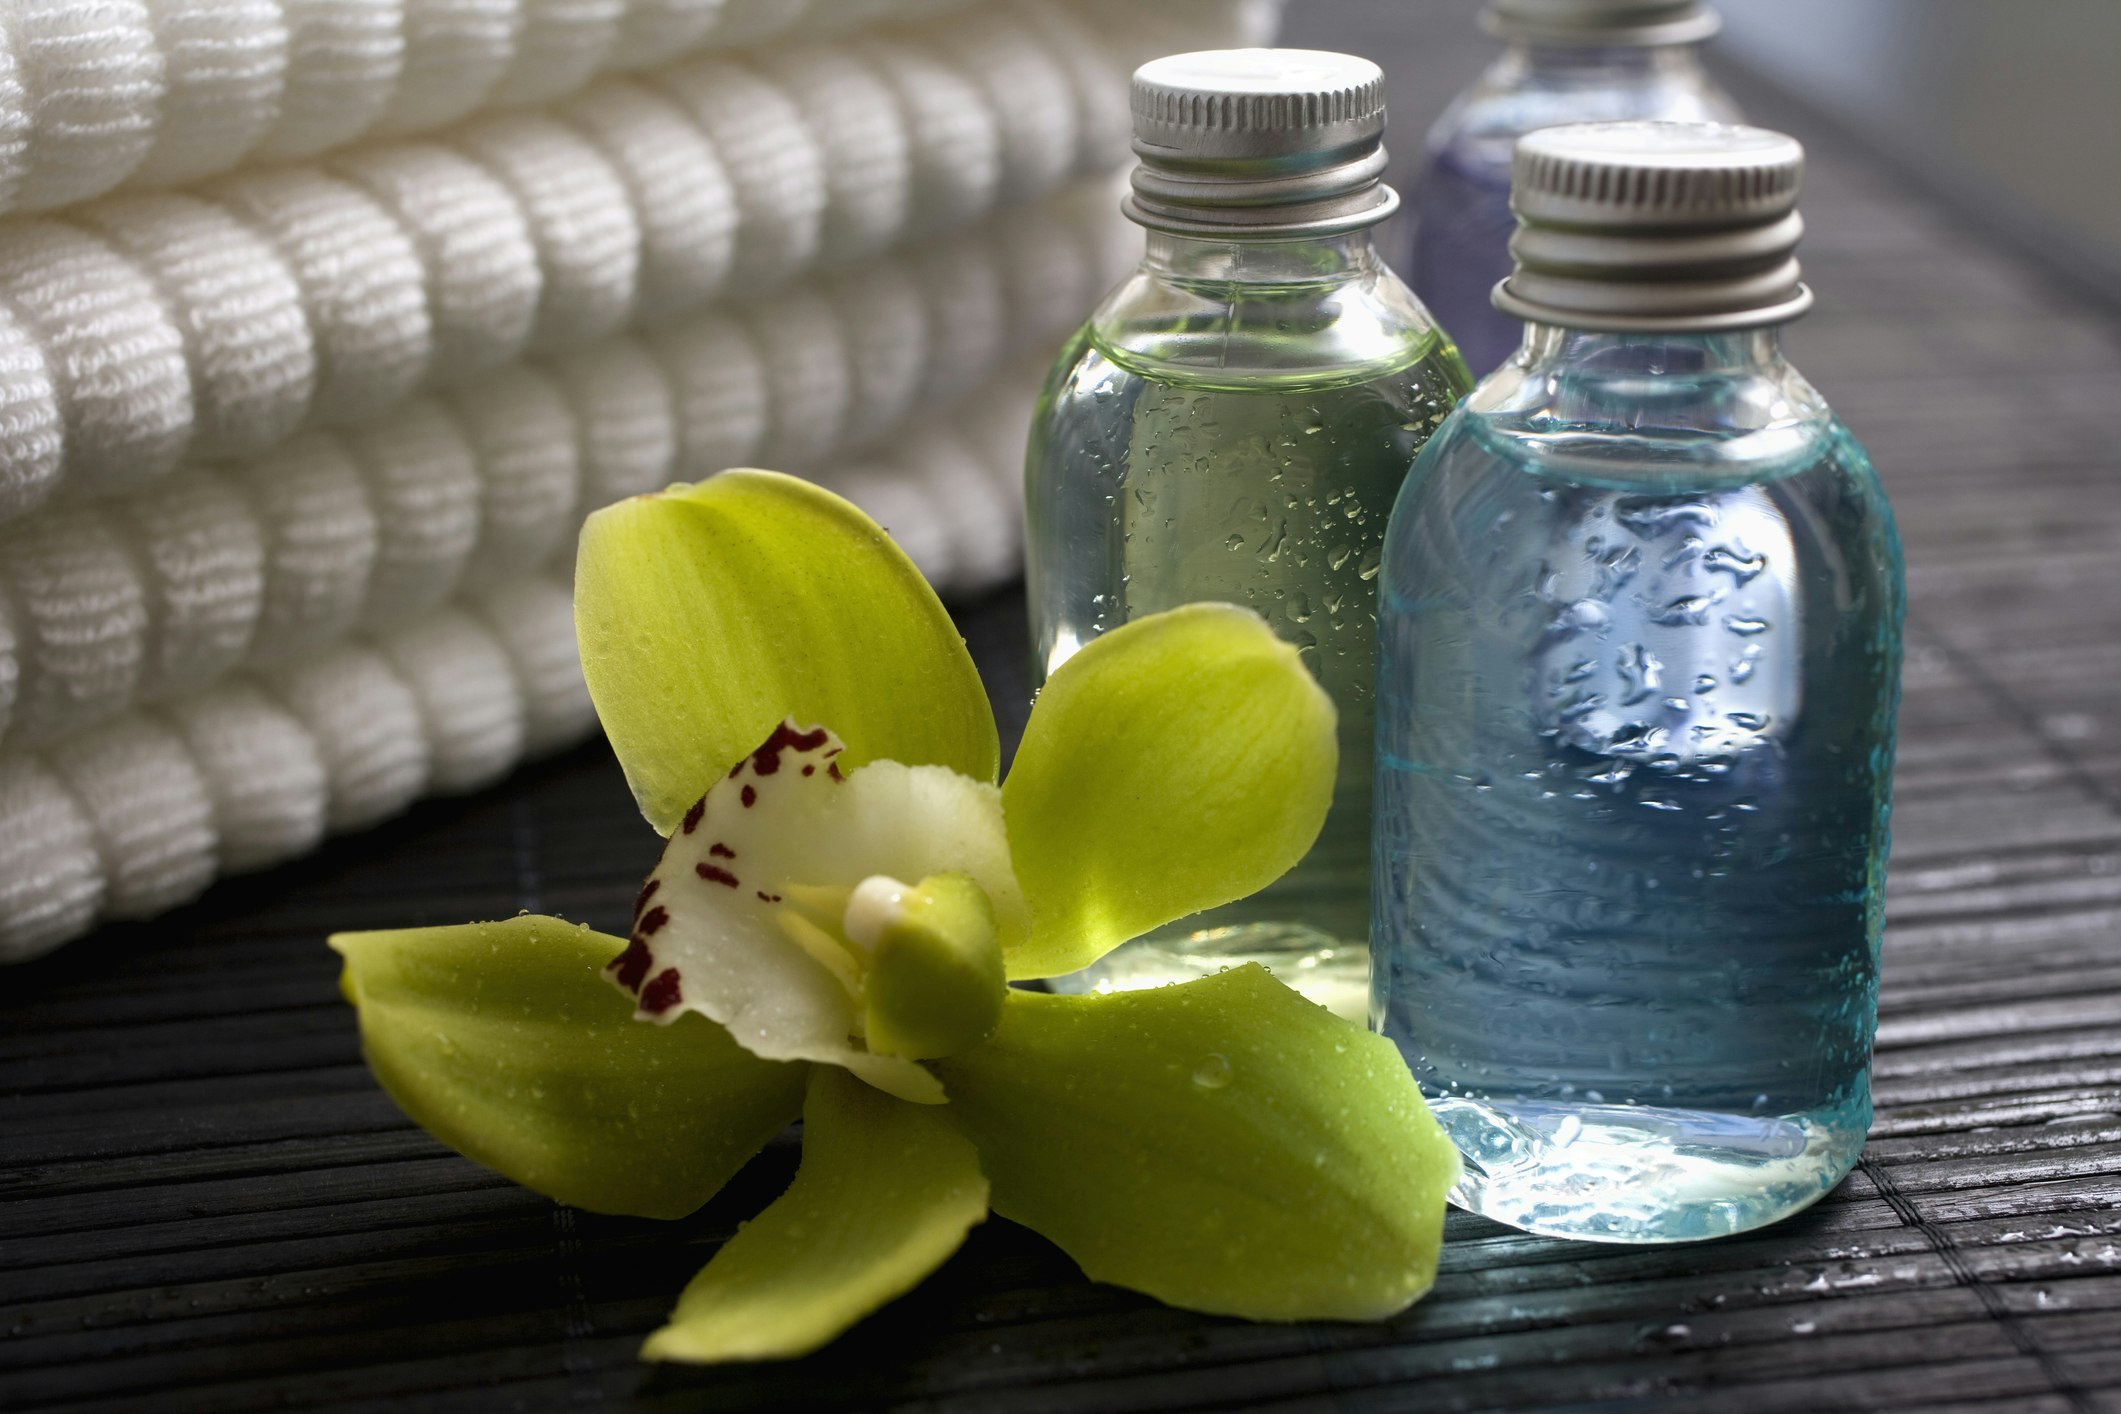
[
  {"x": 1636, "y": 724},
  {"x": 1159, "y": 483}
]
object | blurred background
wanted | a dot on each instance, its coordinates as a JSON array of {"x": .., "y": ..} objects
[{"x": 2006, "y": 109}]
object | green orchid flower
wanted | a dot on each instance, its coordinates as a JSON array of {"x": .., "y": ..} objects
[{"x": 845, "y": 895}]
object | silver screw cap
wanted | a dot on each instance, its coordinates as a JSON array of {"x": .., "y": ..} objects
[
  {"x": 1649, "y": 226},
  {"x": 1259, "y": 142},
  {"x": 1601, "y": 22}
]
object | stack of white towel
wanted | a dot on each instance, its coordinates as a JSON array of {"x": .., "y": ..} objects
[{"x": 323, "y": 323}]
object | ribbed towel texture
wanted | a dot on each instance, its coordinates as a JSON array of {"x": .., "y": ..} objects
[
  {"x": 253, "y": 560},
  {"x": 323, "y": 323}
]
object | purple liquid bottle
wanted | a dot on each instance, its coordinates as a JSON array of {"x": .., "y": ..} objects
[{"x": 1568, "y": 61}]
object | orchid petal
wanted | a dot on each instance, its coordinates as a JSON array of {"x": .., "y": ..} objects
[
  {"x": 1178, "y": 762},
  {"x": 887, "y": 1191},
  {"x": 1223, "y": 1145},
  {"x": 707, "y": 613},
  {"x": 501, "y": 1040},
  {"x": 730, "y": 924}
]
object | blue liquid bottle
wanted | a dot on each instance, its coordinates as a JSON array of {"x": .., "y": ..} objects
[
  {"x": 1568, "y": 61},
  {"x": 1640, "y": 617}
]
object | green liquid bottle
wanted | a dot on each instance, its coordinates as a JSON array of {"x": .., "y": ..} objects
[{"x": 1233, "y": 424}]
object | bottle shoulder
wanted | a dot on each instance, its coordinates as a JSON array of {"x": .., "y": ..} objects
[
  {"x": 1647, "y": 432},
  {"x": 1733, "y": 382},
  {"x": 1281, "y": 333},
  {"x": 1644, "y": 514}
]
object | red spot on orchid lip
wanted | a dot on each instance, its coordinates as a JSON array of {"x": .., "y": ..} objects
[
  {"x": 721, "y": 851},
  {"x": 765, "y": 897},
  {"x": 834, "y": 752},
  {"x": 715, "y": 874},
  {"x": 810, "y": 770},
  {"x": 647, "y": 892},
  {"x": 651, "y": 921},
  {"x": 630, "y": 966},
  {"x": 734, "y": 770},
  {"x": 692, "y": 816},
  {"x": 834, "y": 771},
  {"x": 767, "y": 759},
  {"x": 750, "y": 797},
  {"x": 661, "y": 994}
]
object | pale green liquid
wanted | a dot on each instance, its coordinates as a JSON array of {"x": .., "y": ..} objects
[{"x": 1155, "y": 484}]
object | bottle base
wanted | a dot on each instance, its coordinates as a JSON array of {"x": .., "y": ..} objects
[
  {"x": 1625, "y": 1173},
  {"x": 1327, "y": 970}
]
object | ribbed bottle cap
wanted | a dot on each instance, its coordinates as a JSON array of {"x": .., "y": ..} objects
[
  {"x": 1678, "y": 226},
  {"x": 1259, "y": 142},
  {"x": 1593, "y": 22}
]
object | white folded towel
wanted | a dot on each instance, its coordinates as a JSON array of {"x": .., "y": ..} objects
[
  {"x": 140, "y": 813},
  {"x": 154, "y": 93},
  {"x": 218, "y": 321},
  {"x": 252, "y": 560}
]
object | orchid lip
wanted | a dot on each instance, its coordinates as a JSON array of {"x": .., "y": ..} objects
[{"x": 781, "y": 891}]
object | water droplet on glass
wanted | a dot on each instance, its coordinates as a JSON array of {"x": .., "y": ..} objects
[
  {"x": 1213, "y": 1072},
  {"x": 1640, "y": 673},
  {"x": 1653, "y": 518},
  {"x": 1736, "y": 562},
  {"x": 1582, "y": 616},
  {"x": 1686, "y": 610}
]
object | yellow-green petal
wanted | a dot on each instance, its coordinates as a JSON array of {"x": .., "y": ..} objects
[
  {"x": 708, "y": 613},
  {"x": 1223, "y": 1145},
  {"x": 504, "y": 1041},
  {"x": 1178, "y": 762},
  {"x": 886, "y": 1193}
]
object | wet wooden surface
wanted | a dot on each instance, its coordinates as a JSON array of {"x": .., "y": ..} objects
[{"x": 205, "y": 1204}]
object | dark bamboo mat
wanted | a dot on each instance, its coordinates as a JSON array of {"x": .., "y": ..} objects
[{"x": 206, "y": 1205}]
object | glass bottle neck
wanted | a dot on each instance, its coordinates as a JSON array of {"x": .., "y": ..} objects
[
  {"x": 1730, "y": 353},
  {"x": 1317, "y": 309},
  {"x": 1653, "y": 410},
  {"x": 1325, "y": 260},
  {"x": 1563, "y": 64}
]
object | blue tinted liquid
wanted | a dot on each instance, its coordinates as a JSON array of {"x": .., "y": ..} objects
[
  {"x": 1459, "y": 198},
  {"x": 1461, "y": 205},
  {"x": 1635, "y": 740}
]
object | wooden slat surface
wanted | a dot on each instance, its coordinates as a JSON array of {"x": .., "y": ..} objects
[{"x": 206, "y": 1205}]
